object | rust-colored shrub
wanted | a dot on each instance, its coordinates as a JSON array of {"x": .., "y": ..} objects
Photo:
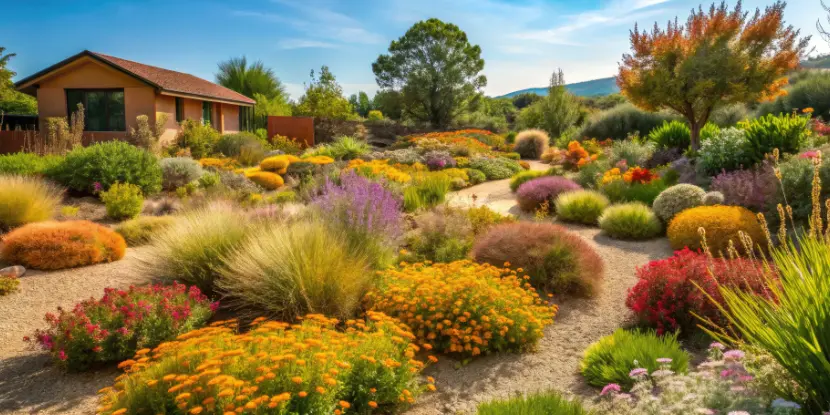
[
  {"x": 555, "y": 259},
  {"x": 59, "y": 245}
]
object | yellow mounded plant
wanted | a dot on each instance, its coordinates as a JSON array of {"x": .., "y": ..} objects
[
  {"x": 268, "y": 180},
  {"x": 217, "y": 163},
  {"x": 463, "y": 307},
  {"x": 378, "y": 168},
  {"x": 318, "y": 160},
  {"x": 721, "y": 224},
  {"x": 274, "y": 368}
]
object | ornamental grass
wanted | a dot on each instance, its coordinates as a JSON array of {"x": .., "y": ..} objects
[
  {"x": 27, "y": 199},
  {"x": 463, "y": 308},
  {"x": 275, "y": 368},
  {"x": 58, "y": 245}
]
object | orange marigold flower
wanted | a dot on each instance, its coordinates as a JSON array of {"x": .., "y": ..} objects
[
  {"x": 302, "y": 394},
  {"x": 345, "y": 404},
  {"x": 373, "y": 404},
  {"x": 297, "y": 379}
]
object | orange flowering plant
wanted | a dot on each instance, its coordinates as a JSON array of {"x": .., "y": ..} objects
[
  {"x": 275, "y": 368},
  {"x": 463, "y": 307}
]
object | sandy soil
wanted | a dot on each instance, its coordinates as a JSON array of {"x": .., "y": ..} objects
[{"x": 29, "y": 384}]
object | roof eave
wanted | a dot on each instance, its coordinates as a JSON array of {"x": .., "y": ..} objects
[{"x": 206, "y": 98}]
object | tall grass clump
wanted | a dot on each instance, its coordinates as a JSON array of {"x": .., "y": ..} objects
[
  {"x": 543, "y": 403},
  {"x": 342, "y": 148},
  {"x": 581, "y": 206},
  {"x": 193, "y": 249},
  {"x": 672, "y": 134},
  {"x": 632, "y": 220},
  {"x": 623, "y": 356},
  {"x": 531, "y": 143},
  {"x": 140, "y": 231},
  {"x": 426, "y": 193},
  {"x": 290, "y": 270},
  {"x": 26, "y": 199}
]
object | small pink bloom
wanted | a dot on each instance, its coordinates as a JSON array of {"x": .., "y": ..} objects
[
  {"x": 609, "y": 388},
  {"x": 637, "y": 372}
]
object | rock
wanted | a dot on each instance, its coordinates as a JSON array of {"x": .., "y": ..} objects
[{"x": 15, "y": 271}]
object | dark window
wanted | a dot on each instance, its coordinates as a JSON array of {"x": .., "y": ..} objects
[
  {"x": 244, "y": 119},
  {"x": 179, "y": 109},
  {"x": 103, "y": 108},
  {"x": 207, "y": 111}
]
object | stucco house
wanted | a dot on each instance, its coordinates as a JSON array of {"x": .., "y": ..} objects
[{"x": 114, "y": 91}]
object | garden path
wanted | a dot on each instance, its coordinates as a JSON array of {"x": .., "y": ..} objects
[
  {"x": 29, "y": 383},
  {"x": 555, "y": 363}
]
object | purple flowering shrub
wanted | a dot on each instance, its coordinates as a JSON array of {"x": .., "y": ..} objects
[
  {"x": 753, "y": 189},
  {"x": 361, "y": 206},
  {"x": 533, "y": 193},
  {"x": 439, "y": 160},
  {"x": 116, "y": 326}
]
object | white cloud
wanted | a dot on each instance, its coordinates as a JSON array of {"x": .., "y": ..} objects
[{"x": 304, "y": 43}]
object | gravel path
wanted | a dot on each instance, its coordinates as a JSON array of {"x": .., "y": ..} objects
[
  {"x": 555, "y": 364},
  {"x": 29, "y": 384}
]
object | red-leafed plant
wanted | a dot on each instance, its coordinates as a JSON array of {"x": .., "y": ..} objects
[
  {"x": 114, "y": 327},
  {"x": 671, "y": 291}
]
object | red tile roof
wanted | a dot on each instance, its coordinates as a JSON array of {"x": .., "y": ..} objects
[{"x": 173, "y": 81}]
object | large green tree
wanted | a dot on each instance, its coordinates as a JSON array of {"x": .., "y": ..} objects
[
  {"x": 11, "y": 101},
  {"x": 324, "y": 98},
  {"x": 390, "y": 103},
  {"x": 554, "y": 113},
  {"x": 436, "y": 69},
  {"x": 255, "y": 80},
  {"x": 361, "y": 103}
]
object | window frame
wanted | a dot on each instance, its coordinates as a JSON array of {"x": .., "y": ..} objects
[
  {"x": 179, "y": 109},
  {"x": 107, "y": 115},
  {"x": 207, "y": 109}
]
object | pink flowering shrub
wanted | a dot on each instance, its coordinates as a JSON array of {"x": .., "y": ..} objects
[
  {"x": 114, "y": 327},
  {"x": 753, "y": 189}
]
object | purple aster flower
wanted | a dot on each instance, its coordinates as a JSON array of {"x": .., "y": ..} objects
[
  {"x": 638, "y": 372},
  {"x": 609, "y": 388},
  {"x": 717, "y": 346},
  {"x": 733, "y": 355}
]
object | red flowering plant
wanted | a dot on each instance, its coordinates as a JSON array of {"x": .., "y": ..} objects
[
  {"x": 639, "y": 175},
  {"x": 674, "y": 293},
  {"x": 114, "y": 327}
]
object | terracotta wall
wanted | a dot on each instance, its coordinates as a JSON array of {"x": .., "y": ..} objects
[
  {"x": 230, "y": 118},
  {"x": 301, "y": 128}
]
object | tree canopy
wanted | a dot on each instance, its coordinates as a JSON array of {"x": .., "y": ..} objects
[
  {"x": 256, "y": 81},
  {"x": 719, "y": 57},
  {"x": 436, "y": 69},
  {"x": 324, "y": 98},
  {"x": 554, "y": 113},
  {"x": 361, "y": 103},
  {"x": 11, "y": 101}
]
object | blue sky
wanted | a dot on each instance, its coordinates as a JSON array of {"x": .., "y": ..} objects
[{"x": 522, "y": 41}]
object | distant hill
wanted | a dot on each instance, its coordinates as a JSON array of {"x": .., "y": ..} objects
[
  {"x": 817, "y": 62},
  {"x": 597, "y": 87}
]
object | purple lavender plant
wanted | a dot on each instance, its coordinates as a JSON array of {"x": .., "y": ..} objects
[
  {"x": 439, "y": 160},
  {"x": 362, "y": 205},
  {"x": 752, "y": 189}
]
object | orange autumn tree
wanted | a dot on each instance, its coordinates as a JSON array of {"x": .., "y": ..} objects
[{"x": 718, "y": 58}]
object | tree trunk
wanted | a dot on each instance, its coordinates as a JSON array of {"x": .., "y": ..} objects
[{"x": 695, "y": 130}]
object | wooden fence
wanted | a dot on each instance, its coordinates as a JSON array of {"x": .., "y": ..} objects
[{"x": 11, "y": 141}]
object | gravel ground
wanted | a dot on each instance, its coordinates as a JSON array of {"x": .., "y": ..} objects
[{"x": 29, "y": 384}]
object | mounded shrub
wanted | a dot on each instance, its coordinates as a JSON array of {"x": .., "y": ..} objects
[
  {"x": 713, "y": 198},
  {"x": 544, "y": 403},
  {"x": 675, "y": 293},
  {"x": 676, "y": 199},
  {"x": 632, "y": 220},
  {"x": 476, "y": 176},
  {"x": 496, "y": 168},
  {"x": 787, "y": 133},
  {"x": 268, "y": 180},
  {"x": 114, "y": 327},
  {"x": 530, "y": 144},
  {"x": 725, "y": 151},
  {"x": 123, "y": 201},
  {"x": 26, "y": 200},
  {"x": 556, "y": 260},
  {"x": 107, "y": 163},
  {"x": 672, "y": 134},
  {"x": 179, "y": 171},
  {"x": 192, "y": 249},
  {"x": 618, "y": 122},
  {"x": 290, "y": 270},
  {"x": 483, "y": 297},
  {"x": 27, "y": 164},
  {"x": 439, "y": 160},
  {"x": 140, "y": 231},
  {"x": 623, "y": 356},
  {"x": 634, "y": 153},
  {"x": 721, "y": 224},
  {"x": 524, "y": 176},
  {"x": 200, "y": 139},
  {"x": 758, "y": 187},
  {"x": 532, "y": 194},
  {"x": 581, "y": 206},
  {"x": 350, "y": 370},
  {"x": 278, "y": 164},
  {"x": 59, "y": 245},
  {"x": 231, "y": 145}
]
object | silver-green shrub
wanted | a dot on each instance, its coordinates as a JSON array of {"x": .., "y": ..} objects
[{"x": 676, "y": 199}]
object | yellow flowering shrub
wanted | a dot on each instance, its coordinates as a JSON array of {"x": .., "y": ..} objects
[
  {"x": 462, "y": 162},
  {"x": 275, "y": 368},
  {"x": 268, "y": 180},
  {"x": 318, "y": 160},
  {"x": 455, "y": 173},
  {"x": 378, "y": 168},
  {"x": 275, "y": 164},
  {"x": 463, "y": 307},
  {"x": 217, "y": 163},
  {"x": 720, "y": 223}
]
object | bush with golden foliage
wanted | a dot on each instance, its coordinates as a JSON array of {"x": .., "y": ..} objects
[
  {"x": 720, "y": 224},
  {"x": 531, "y": 144},
  {"x": 26, "y": 199},
  {"x": 278, "y": 164},
  {"x": 59, "y": 245},
  {"x": 268, "y": 180},
  {"x": 275, "y": 368},
  {"x": 463, "y": 307}
]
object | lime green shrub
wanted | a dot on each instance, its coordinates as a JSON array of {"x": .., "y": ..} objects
[
  {"x": 140, "y": 231},
  {"x": 632, "y": 220},
  {"x": 581, "y": 206},
  {"x": 523, "y": 176},
  {"x": 199, "y": 138},
  {"x": 616, "y": 358},
  {"x": 787, "y": 133},
  {"x": 428, "y": 192},
  {"x": 26, "y": 199},
  {"x": 544, "y": 403},
  {"x": 123, "y": 201},
  {"x": 672, "y": 134},
  {"x": 27, "y": 163}
]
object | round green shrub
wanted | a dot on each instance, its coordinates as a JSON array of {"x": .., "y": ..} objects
[
  {"x": 231, "y": 144},
  {"x": 139, "y": 231},
  {"x": 200, "y": 139},
  {"x": 676, "y": 199},
  {"x": 496, "y": 168},
  {"x": 726, "y": 150},
  {"x": 787, "y": 133},
  {"x": 581, "y": 206},
  {"x": 546, "y": 403},
  {"x": 524, "y": 176},
  {"x": 530, "y": 144},
  {"x": 123, "y": 201},
  {"x": 107, "y": 163},
  {"x": 630, "y": 221},
  {"x": 672, "y": 134},
  {"x": 634, "y": 153},
  {"x": 613, "y": 358},
  {"x": 179, "y": 171},
  {"x": 476, "y": 176},
  {"x": 713, "y": 198}
]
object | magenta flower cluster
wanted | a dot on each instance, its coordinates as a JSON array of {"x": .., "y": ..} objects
[
  {"x": 752, "y": 189},
  {"x": 533, "y": 193},
  {"x": 439, "y": 160}
]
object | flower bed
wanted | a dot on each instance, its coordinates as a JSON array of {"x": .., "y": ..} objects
[{"x": 114, "y": 327}]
